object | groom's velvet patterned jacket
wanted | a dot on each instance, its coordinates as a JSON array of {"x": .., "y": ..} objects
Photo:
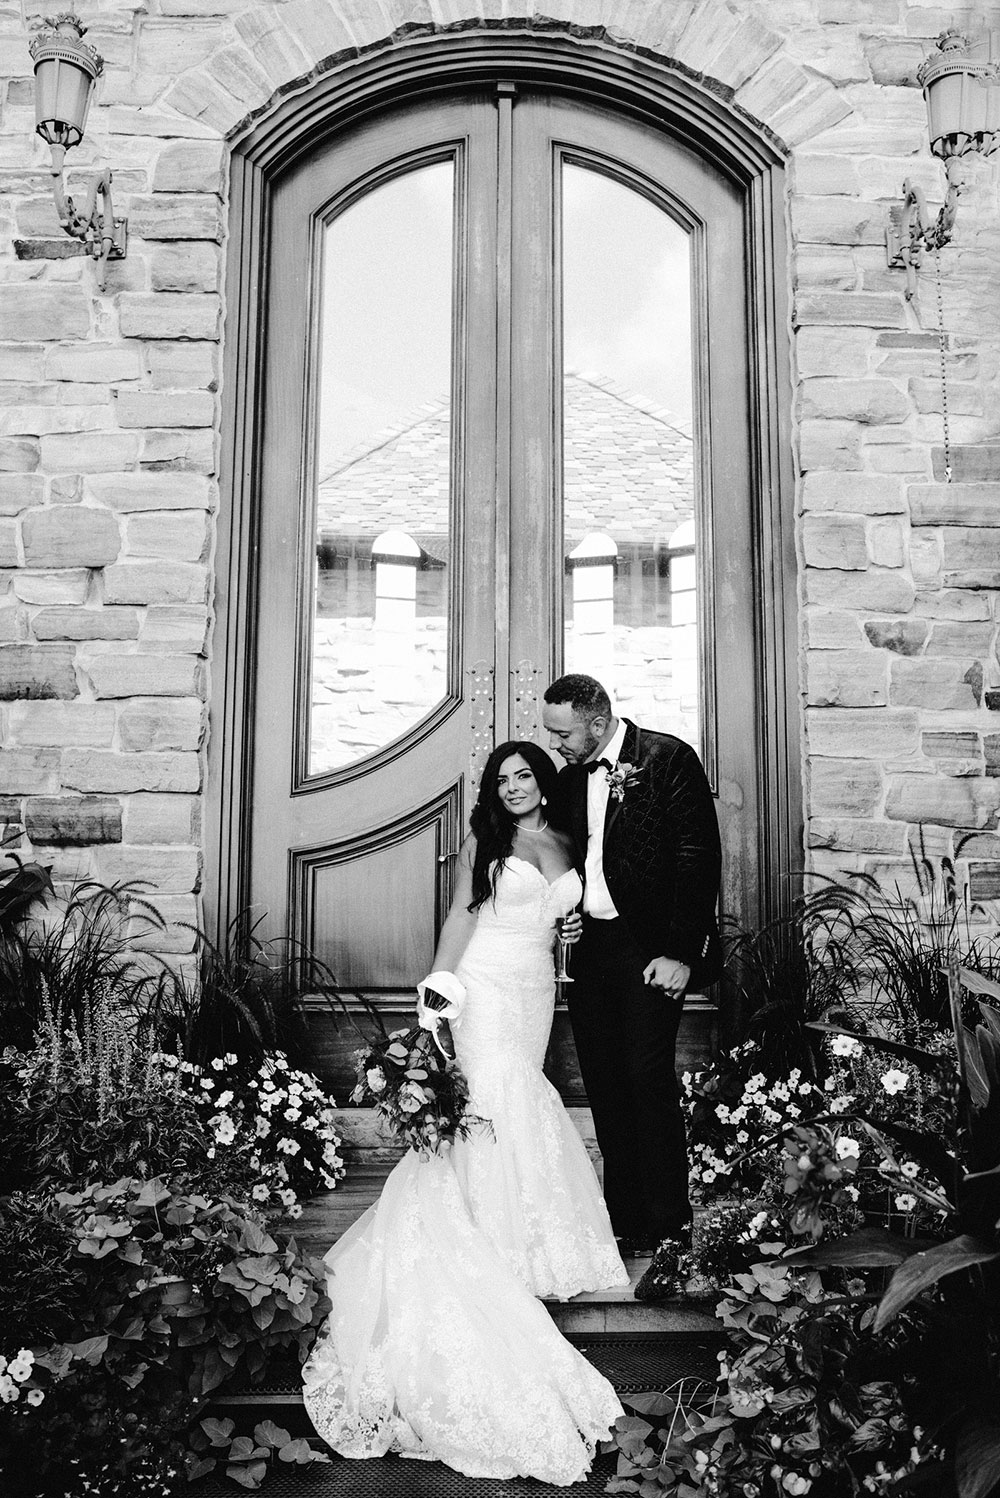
[{"x": 662, "y": 857}]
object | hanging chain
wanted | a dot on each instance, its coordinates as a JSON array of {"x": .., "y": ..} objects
[{"x": 941, "y": 354}]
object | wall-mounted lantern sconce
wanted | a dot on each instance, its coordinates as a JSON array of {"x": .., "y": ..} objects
[
  {"x": 961, "y": 85},
  {"x": 66, "y": 69}
]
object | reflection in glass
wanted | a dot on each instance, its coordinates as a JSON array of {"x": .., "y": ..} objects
[
  {"x": 628, "y": 470},
  {"x": 380, "y": 626}
]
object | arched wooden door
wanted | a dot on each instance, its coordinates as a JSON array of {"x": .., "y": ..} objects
[{"x": 440, "y": 468}]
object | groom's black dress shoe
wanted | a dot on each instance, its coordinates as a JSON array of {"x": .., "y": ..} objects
[
  {"x": 631, "y": 1247},
  {"x": 669, "y": 1268}
]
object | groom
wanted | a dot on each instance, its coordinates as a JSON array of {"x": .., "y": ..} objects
[{"x": 640, "y": 811}]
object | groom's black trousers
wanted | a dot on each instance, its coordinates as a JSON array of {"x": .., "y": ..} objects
[{"x": 626, "y": 1037}]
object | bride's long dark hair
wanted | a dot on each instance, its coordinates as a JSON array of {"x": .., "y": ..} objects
[{"x": 492, "y": 824}]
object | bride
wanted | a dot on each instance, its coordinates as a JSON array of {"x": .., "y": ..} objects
[{"x": 437, "y": 1346}]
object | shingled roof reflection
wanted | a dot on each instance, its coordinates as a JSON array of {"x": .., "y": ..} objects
[{"x": 628, "y": 471}]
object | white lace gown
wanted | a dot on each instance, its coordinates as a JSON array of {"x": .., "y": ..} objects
[{"x": 436, "y": 1346}]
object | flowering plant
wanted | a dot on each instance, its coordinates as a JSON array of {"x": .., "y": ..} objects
[
  {"x": 422, "y": 1097},
  {"x": 622, "y": 777},
  {"x": 278, "y": 1122}
]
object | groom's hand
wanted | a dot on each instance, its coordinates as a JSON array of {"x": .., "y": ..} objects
[{"x": 666, "y": 973}]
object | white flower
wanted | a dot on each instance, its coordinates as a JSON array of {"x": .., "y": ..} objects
[
  {"x": 793, "y": 1111},
  {"x": 779, "y": 1093},
  {"x": 207, "y": 1083},
  {"x": 829, "y": 1084},
  {"x": 19, "y": 1368},
  {"x": 288, "y": 1146},
  {"x": 738, "y": 1115},
  {"x": 742, "y": 1136},
  {"x": 722, "y": 1112},
  {"x": 905, "y": 1202},
  {"x": 910, "y": 1169},
  {"x": 263, "y": 1128},
  {"x": 295, "y": 1210},
  {"x": 225, "y": 1129},
  {"x": 230, "y": 1058},
  {"x": 852, "y": 1192},
  {"x": 292, "y": 1115},
  {"x": 708, "y": 1176},
  {"x": 838, "y": 1105},
  {"x": 847, "y": 1146},
  {"x": 260, "y": 1193},
  {"x": 846, "y": 1045},
  {"x": 287, "y": 1197},
  {"x": 376, "y": 1079},
  {"x": 9, "y": 1392},
  {"x": 894, "y": 1080},
  {"x": 35, "y": 1396},
  {"x": 218, "y": 1064}
]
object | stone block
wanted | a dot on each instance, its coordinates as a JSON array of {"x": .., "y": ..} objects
[
  {"x": 925, "y": 560},
  {"x": 887, "y": 591},
  {"x": 964, "y": 398},
  {"x": 103, "y": 770},
  {"x": 8, "y": 544},
  {"x": 833, "y": 351},
  {"x": 825, "y": 268},
  {"x": 185, "y": 267},
  {"x": 947, "y": 801},
  {"x": 180, "y": 912},
  {"x": 13, "y": 625},
  {"x": 156, "y": 582},
  {"x": 169, "y": 314},
  {"x": 19, "y": 491},
  {"x": 167, "y": 48},
  {"x": 970, "y": 549},
  {"x": 70, "y": 536},
  {"x": 843, "y": 732},
  {"x": 822, "y": 175},
  {"x": 849, "y": 835},
  {"x": 851, "y": 309},
  {"x": 86, "y": 624},
  {"x": 60, "y": 725},
  {"x": 829, "y": 444},
  {"x": 29, "y": 772},
  {"x": 953, "y": 604},
  {"x": 901, "y": 636},
  {"x": 189, "y": 216},
  {"x": 152, "y": 491},
  {"x": 937, "y": 685},
  {"x": 834, "y": 541},
  {"x": 955, "y": 504},
  {"x": 991, "y": 745},
  {"x": 44, "y": 313},
  {"x": 37, "y": 671},
  {"x": 837, "y": 221},
  {"x": 845, "y": 678},
  {"x": 66, "y": 585},
  {"x": 853, "y": 493},
  {"x": 176, "y": 535},
  {"x": 159, "y": 724},
  {"x": 160, "y": 408},
  {"x": 894, "y": 60},
  {"x": 190, "y": 166},
  {"x": 844, "y": 787},
  {"x": 96, "y": 363},
  {"x": 952, "y": 637},
  {"x": 143, "y": 676},
  {"x": 177, "y": 627},
  {"x": 870, "y": 402},
  {"x": 182, "y": 366},
  {"x": 240, "y": 75},
  {"x": 19, "y": 454},
  {"x": 168, "y": 869},
  {"x": 953, "y": 745},
  {"x": 971, "y": 463},
  {"x": 163, "y": 819},
  {"x": 73, "y": 821},
  {"x": 886, "y": 545},
  {"x": 829, "y": 629},
  {"x": 89, "y": 452},
  {"x": 189, "y": 450}
]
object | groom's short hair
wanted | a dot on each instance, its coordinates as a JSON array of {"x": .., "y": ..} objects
[{"x": 585, "y": 695}]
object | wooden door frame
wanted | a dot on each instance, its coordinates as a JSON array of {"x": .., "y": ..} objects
[{"x": 671, "y": 99}]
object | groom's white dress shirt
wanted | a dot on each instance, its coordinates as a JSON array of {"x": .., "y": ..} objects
[{"x": 597, "y": 901}]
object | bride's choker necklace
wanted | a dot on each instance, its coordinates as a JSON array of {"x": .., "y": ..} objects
[{"x": 544, "y": 828}]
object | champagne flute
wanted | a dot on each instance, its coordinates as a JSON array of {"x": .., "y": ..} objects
[{"x": 562, "y": 976}]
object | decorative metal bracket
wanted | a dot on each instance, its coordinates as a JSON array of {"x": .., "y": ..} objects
[
  {"x": 105, "y": 236},
  {"x": 525, "y": 677},
  {"x": 480, "y": 720},
  {"x": 912, "y": 231}
]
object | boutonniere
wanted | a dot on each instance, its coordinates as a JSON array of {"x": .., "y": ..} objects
[{"x": 622, "y": 778}]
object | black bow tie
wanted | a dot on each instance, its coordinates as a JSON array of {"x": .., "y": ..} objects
[{"x": 598, "y": 764}]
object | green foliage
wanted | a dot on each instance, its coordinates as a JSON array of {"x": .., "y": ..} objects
[
  {"x": 20, "y": 888},
  {"x": 214, "y": 1444},
  {"x": 171, "y": 1293}
]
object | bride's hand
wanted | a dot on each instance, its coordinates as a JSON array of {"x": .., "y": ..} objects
[{"x": 572, "y": 927}]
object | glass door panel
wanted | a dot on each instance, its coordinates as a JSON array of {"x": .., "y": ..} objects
[
  {"x": 630, "y": 605},
  {"x": 380, "y": 626}
]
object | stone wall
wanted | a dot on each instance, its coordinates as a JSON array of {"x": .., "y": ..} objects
[{"x": 110, "y": 414}]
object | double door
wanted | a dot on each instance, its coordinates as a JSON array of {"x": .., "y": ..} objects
[{"x": 505, "y": 434}]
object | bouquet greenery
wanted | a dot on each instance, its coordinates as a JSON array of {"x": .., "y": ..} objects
[{"x": 422, "y": 1096}]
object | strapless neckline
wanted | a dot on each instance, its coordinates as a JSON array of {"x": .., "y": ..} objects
[{"x": 513, "y": 858}]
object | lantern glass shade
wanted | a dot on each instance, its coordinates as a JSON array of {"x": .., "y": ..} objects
[
  {"x": 65, "y": 73},
  {"x": 962, "y": 93}
]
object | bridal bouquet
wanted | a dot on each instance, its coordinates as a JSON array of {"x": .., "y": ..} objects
[{"x": 423, "y": 1097}]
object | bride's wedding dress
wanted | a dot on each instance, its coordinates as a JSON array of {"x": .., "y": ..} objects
[{"x": 436, "y": 1346}]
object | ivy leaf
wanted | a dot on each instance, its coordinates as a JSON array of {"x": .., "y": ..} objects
[
  {"x": 219, "y": 1432},
  {"x": 651, "y": 1404},
  {"x": 297, "y": 1451},
  {"x": 250, "y": 1476},
  {"x": 266, "y": 1433},
  {"x": 198, "y": 1468}
]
